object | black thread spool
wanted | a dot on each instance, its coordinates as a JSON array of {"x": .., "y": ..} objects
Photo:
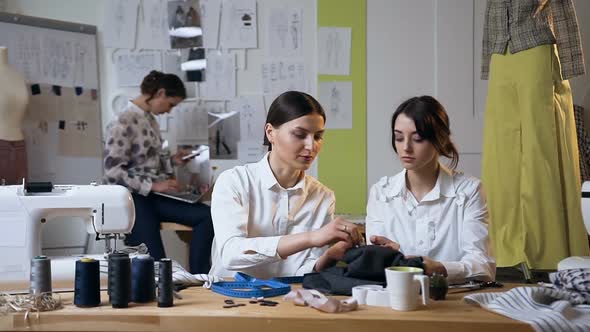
[
  {"x": 111, "y": 255},
  {"x": 40, "y": 275},
  {"x": 119, "y": 280},
  {"x": 87, "y": 283},
  {"x": 165, "y": 286},
  {"x": 143, "y": 282}
]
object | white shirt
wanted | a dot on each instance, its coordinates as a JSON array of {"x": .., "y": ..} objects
[
  {"x": 449, "y": 225},
  {"x": 251, "y": 212}
]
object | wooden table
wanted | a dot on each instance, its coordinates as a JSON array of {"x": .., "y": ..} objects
[{"x": 201, "y": 310}]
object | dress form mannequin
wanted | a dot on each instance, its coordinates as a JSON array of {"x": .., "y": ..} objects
[{"x": 13, "y": 104}]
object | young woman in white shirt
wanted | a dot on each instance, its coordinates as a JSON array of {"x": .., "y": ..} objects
[
  {"x": 270, "y": 218},
  {"x": 427, "y": 209}
]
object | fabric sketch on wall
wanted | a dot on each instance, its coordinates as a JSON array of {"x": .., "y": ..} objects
[
  {"x": 334, "y": 51},
  {"x": 336, "y": 98},
  {"x": 285, "y": 34}
]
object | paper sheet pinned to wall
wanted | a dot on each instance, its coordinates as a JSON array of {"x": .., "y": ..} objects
[
  {"x": 119, "y": 23},
  {"x": 285, "y": 32},
  {"x": 57, "y": 62},
  {"x": 210, "y": 18},
  {"x": 152, "y": 25},
  {"x": 336, "y": 99},
  {"x": 252, "y": 117},
  {"x": 281, "y": 76},
  {"x": 132, "y": 67},
  {"x": 239, "y": 24},
  {"x": 191, "y": 121},
  {"x": 85, "y": 73},
  {"x": 41, "y": 138},
  {"x": 220, "y": 82},
  {"x": 334, "y": 51}
]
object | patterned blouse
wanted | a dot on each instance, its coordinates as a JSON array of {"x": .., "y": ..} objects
[
  {"x": 510, "y": 24},
  {"x": 134, "y": 156}
]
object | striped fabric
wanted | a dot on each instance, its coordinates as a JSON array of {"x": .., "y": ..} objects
[{"x": 544, "y": 309}]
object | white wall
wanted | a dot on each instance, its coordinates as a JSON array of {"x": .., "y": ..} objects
[{"x": 434, "y": 47}]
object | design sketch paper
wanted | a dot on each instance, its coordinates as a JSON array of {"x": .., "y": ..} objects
[
  {"x": 252, "y": 117},
  {"x": 191, "y": 121},
  {"x": 184, "y": 24},
  {"x": 171, "y": 62},
  {"x": 334, "y": 51},
  {"x": 119, "y": 23},
  {"x": 224, "y": 134},
  {"x": 281, "y": 76},
  {"x": 85, "y": 70},
  {"x": 152, "y": 25},
  {"x": 336, "y": 98},
  {"x": 41, "y": 139},
  {"x": 285, "y": 36},
  {"x": 239, "y": 24},
  {"x": 57, "y": 62},
  {"x": 132, "y": 67},
  {"x": 25, "y": 52},
  {"x": 77, "y": 138},
  {"x": 220, "y": 82},
  {"x": 210, "y": 11}
]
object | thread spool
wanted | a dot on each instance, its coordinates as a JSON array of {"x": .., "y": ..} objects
[
  {"x": 143, "y": 283},
  {"x": 165, "y": 286},
  {"x": 87, "y": 283},
  {"x": 40, "y": 275},
  {"x": 119, "y": 280},
  {"x": 111, "y": 255}
]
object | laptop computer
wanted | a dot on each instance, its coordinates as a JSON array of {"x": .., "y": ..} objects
[
  {"x": 189, "y": 196},
  {"x": 185, "y": 196}
]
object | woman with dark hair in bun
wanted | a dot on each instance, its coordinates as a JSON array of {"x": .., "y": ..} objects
[
  {"x": 270, "y": 218},
  {"x": 134, "y": 158}
]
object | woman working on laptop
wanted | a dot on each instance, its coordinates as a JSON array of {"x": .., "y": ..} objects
[
  {"x": 134, "y": 158},
  {"x": 270, "y": 218}
]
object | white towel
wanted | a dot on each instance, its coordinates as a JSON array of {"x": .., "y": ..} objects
[{"x": 543, "y": 308}]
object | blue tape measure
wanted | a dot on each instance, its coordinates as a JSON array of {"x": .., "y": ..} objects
[{"x": 246, "y": 286}]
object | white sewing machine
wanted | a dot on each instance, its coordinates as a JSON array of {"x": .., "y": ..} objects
[
  {"x": 107, "y": 210},
  {"x": 577, "y": 262}
]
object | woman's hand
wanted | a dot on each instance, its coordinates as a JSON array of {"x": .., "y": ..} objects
[
  {"x": 165, "y": 186},
  {"x": 337, "y": 230},
  {"x": 331, "y": 256},
  {"x": 431, "y": 266},
  {"x": 384, "y": 242},
  {"x": 177, "y": 158}
]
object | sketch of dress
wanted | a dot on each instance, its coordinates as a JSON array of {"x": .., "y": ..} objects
[
  {"x": 294, "y": 29},
  {"x": 335, "y": 99}
]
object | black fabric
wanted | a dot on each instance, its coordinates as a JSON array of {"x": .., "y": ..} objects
[{"x": 364, "y": 265}]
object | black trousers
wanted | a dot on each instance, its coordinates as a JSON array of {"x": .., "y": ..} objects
[{"x": 152, "y": 209}]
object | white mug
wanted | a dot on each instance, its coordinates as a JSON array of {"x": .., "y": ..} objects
[{"x": 404, "y": 284}]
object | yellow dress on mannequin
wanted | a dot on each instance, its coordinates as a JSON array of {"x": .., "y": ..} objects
[{"x": 530, "y": 167}]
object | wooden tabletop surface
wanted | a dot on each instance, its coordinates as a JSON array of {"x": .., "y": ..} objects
[{"x": 202, "y": 310}]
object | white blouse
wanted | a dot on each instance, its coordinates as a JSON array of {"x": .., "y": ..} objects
[
  {"x": 449, "y": 225},
  {"x": 251, "y": 212}
]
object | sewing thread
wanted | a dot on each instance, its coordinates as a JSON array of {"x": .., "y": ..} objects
[
  {"x": 143, "y": 282},
  {"x": 165, "y": 286},
  {"x": 87, "y": 283},
  {"x": 119, "y": 281},
  {"x": 40, "y": 275}
]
